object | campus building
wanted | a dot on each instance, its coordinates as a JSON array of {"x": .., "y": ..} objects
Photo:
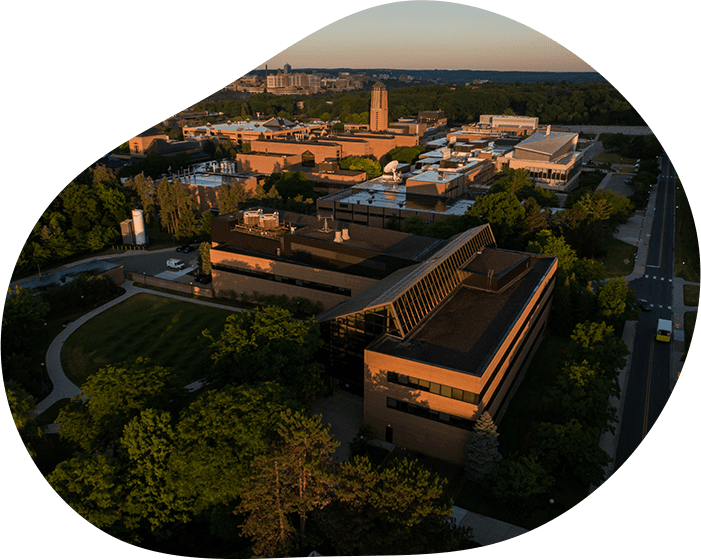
[
  {"x": 431, "y": 332},
  {"x": 436, "y": 344},
  {"x": 238, "y": 132},
  {"x": 379, "y": 109},
  {"x": 551, "y": 159},
  {"x": 322, "y": 260}
]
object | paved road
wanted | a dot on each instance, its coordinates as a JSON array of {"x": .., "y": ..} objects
[{"x": 649, "y": 384}]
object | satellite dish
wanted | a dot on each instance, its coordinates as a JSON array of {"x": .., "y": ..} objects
[{"x": 391, "y": 166}]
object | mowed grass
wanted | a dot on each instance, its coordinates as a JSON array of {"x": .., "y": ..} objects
[
  {"x": 691, "y": 295},
  {"x": 620, "y": 257},
  {"x": 613, "y": 157},
  {"x": 689, "y": 324},
  {"x": 687, "y": 263},
  {"x": 165, "y": 330}
]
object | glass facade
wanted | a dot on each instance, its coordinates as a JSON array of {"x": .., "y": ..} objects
[{"x": 398, "y": 310}]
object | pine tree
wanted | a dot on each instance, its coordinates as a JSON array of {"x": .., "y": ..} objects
[{"x": 483, "y": 448}]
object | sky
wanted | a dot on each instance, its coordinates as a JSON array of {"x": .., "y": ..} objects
[{"x": 423, "y": 35}]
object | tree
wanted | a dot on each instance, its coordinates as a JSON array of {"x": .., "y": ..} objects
[
  {"x": 517, "y": 479},
  {"x": 111, "y": 398},
  {"x": 230, "y": 196},
  {"x": 371, "y": 167},
  {"x": 582, "y": 392},
  {"x": 24, "y": 313},
  {"x": 616, "y": 302},
  {"x": 505, "y": 214},
  {"x": 482, "y": 448},
  {"x": 147, "y": 443},
  {"x": 146, "y": 192},
  {"x": 571, "y": 449},
  {"x": 205, "y": 259},
  {"x": 219, "y": 435},
  {"x": 21, "y": 406},
  {"x": 268, "y": 345},
  {"x": 546, "y": 243},
  {"x": 91, "y": 485},
  {"x": 598, "y": 344},
  {"x": 401, "y": 508},
  {"x": 294, "y": 477}
]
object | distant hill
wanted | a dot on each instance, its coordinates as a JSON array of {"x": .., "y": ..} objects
[{"x": 461, "y": 76}]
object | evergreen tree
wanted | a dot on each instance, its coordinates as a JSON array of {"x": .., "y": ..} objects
[{"x": 482, "y": 448}]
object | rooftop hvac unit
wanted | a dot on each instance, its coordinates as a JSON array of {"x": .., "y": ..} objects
[
  {"x": 270, "y": 221},
  {"x": 252, "y": 217},
  {"x": 338, "y": 237}
]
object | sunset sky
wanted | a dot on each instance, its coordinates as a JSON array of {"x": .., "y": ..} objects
[{"x": 427, "y": 35}]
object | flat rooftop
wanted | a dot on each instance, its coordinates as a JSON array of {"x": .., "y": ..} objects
[
  {"x": 465, "y": 330},
  {"x": 395, "y": 196}
]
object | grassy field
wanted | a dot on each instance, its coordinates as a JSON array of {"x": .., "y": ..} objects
[
  {"x": 620, "y": 257},
  {"x": 166, "y": 330},
  {"x": 613, "y": 157},
  {"x": 686, "y": 250},
  {"x": 691, "y": 295},
  {"x": 689, "y": 323}
]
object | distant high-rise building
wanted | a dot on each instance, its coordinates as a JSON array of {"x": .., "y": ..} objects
[{"x": 379, "y": 110}]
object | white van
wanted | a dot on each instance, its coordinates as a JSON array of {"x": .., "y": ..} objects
[{"x": 175, "y": 263}]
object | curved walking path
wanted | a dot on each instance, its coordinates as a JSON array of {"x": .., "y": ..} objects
[{"x": 64, "y": 388}]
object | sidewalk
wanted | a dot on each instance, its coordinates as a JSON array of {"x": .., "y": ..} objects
[
  {"x": 64, "y": 388},
  {"x": 637, "y": 232}
]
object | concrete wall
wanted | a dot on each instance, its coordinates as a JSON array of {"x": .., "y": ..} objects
[{"x": 151, "y": 281}]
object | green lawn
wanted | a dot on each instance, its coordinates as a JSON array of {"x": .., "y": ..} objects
[
  {"x": 689, "y": 323},
  {"x": 691, "y": 295},
  {"x": 166, "y": 330},
  {"x": 620, "y": 257},
  {"x": 686, "y": 249},
  {"x": 613, "y": 157}
]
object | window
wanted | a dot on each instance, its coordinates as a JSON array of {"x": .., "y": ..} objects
[
  {"x": 432, "y": 387},
  {"x": 427, "y": 413}
]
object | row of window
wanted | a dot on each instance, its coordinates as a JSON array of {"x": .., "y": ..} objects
[
  {"x": 283, "y": 279},
  {"x": 435, "y": 388},
  {"x": 427, "y": 413}
]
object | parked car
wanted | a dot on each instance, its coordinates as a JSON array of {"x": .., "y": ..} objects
[
  {"x": 185, "y": 249},
  {"x": 175, "y": 263},
  {"x": 203, "y": 278},
  {"x": 645, "y": 305}
]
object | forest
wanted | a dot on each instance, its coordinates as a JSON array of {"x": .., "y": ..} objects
[{"x": 560, "y": 103}]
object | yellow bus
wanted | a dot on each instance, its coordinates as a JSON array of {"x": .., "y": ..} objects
[{"x": 664, "y": 330}]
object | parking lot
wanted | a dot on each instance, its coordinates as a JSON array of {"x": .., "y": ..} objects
[{"x": 153, "y": 263}]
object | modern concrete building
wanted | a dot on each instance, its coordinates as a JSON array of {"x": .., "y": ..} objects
[
  {"x": 277, "y": 252},
  {"x": 431, "y": 332},
  {"x": 379, "y": 109},
  {"x": 435, "y": 344},
  {"x": 551, "y": 158}
]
